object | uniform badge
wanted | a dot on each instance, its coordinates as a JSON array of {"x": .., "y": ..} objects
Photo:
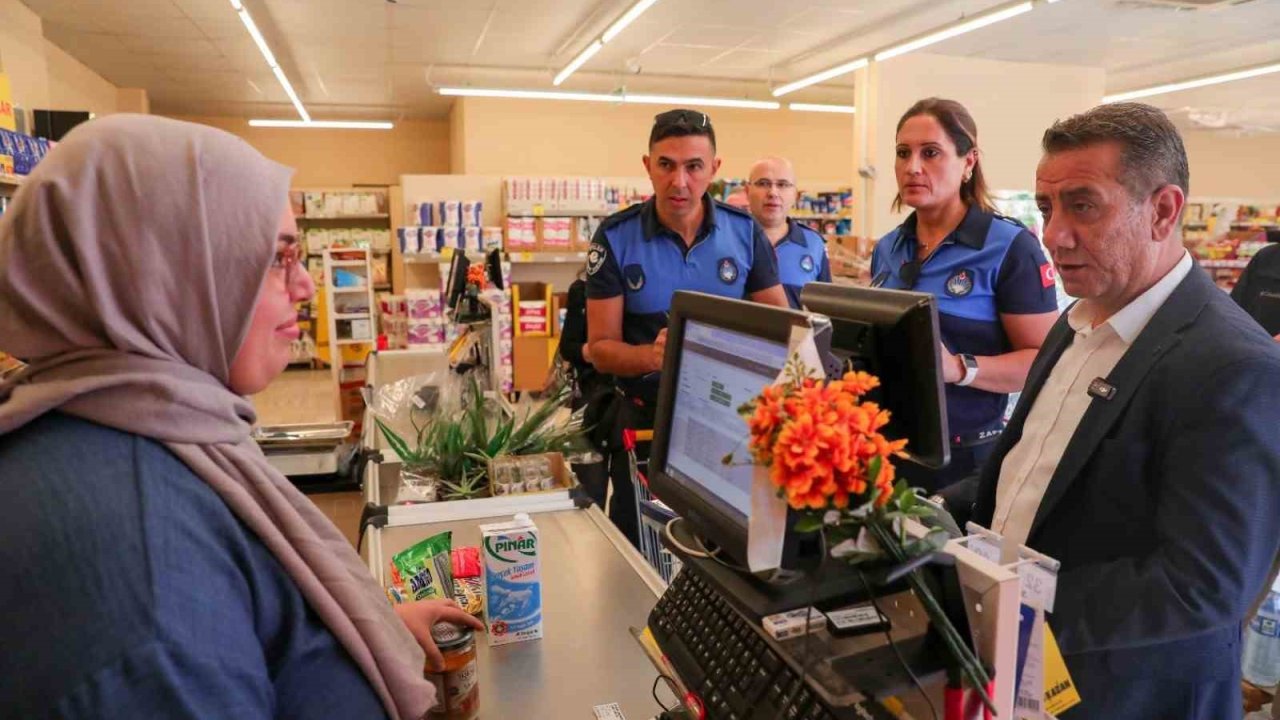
[
  {"x": 595, "y": 259},
  {"x": 634, "y": 277},
  {"x": 806, "y": 263},
  {"x": 728, "y": 271},
  {"x": 960, "y": 283}
]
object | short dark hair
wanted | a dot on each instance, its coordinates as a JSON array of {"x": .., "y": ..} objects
[
  {"x": 958, "y": 124},
  {"x": 681, "y": 123},
  {"x": 1151, "y": 151}
]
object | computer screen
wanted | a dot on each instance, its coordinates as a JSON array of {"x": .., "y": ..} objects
[
  {"x": 719, "y": 370},
  {"x": 720, "y": 354}
]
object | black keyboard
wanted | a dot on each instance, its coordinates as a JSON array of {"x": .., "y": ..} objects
[{"x": 725, "y": 660}]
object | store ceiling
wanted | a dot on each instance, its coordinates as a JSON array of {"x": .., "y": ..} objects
[{"x": 376, "y": 59}]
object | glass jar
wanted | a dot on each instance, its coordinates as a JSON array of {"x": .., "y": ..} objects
[{"x": 457, "y": 686}]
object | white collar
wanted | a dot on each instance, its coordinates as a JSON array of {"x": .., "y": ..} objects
[{"x": 1133, "y": 318}]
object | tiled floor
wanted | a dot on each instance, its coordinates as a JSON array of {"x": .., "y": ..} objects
[{"x": 308, "y": 396}]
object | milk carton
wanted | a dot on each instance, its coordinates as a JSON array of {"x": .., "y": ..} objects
[{"x": 512, "y": 581}]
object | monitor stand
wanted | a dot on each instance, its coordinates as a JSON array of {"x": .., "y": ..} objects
[{"x": 833, "y": 584}]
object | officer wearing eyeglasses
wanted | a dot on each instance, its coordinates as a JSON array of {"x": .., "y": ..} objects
[
  {"x": 680, "y": 239},
  {"x": 801, "y": 252},
  {"x": 995, "y": 289}
]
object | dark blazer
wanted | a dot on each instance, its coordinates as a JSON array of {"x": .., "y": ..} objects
[{"x": 1164, "y": 511}]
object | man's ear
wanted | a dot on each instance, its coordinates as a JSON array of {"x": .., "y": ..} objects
[
  {"x": 1166, "y": 206},
  {"x": 715, "y": 166},
  {"x": 645, "y": 159}
]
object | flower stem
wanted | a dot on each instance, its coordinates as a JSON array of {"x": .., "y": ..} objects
[{"x": 959, "y": 648}]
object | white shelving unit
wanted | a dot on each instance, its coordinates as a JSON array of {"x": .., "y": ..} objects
[{"x": 353, "y": 307}]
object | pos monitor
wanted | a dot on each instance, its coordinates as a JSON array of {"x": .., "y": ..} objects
[{"x": 720, "y": 353}]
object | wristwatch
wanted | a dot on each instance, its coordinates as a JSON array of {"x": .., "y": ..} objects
[{"x": 970, "y": 369}]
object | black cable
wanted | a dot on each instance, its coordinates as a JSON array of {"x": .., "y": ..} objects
[
  {"x": 654, "y": 692},
  {"x": 894, "y": 646},
  {"x": 808, "y": 635}
]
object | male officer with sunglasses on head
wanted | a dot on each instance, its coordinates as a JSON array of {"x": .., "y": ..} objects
[
  {"x": 680, "y": 239},
  {"x": 801, "y": 252}
]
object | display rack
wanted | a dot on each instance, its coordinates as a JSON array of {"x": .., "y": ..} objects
[
  {"x": 351, "y": 328},
  {"x": 1225, "y": 233}
]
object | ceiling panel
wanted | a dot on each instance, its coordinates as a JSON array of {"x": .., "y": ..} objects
[{"x": 348, "y": 54}]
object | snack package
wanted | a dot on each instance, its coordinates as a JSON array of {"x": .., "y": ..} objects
[
  {"x": 468, "y": 592},
  {"x": 466, "y": 562},
  {"x": 426, "y": 568}
]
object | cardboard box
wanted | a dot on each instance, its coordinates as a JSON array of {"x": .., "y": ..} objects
[
  {"x": 531, "y": 360},
  {"x": 556, "y": 234}
]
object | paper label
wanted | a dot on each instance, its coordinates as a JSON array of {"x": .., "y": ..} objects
[
  {"x": 1060, "y": 692},
  {"x": 1028, "y": 704},
  {"x": 1038, "y": 585},
  {"x": 767, "y": 524},
  {"x": 612, "y": 711}
]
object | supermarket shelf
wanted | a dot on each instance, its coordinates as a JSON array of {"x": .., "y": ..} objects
[
  {"x": 382, "y": 286},
  {"x": 11, "y": 180},
  {"x": 348, "y": 263},
  {"x": 350, "y": 341},
  {"x": 352, "y": 316},
  {"x": 547, "y": 257},
  {"x": 1224, "y": 264},
  {"x": 437, "y": 258},
  {"x": 322, "y": 218},
  {"x": 351, "y": 290}
]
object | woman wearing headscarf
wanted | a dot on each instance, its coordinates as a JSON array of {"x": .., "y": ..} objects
[{"x": 152, "y": 563}]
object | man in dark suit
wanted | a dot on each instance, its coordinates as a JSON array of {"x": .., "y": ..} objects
[{"x": 1145, "y": 451}]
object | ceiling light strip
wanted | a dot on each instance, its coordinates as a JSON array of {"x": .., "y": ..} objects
[
  {"x": 951, "y": 31},
  {"x": 578, "y": 62},
  {"x": 1194, "y": 83},
  {"x": 924, "y": 40},
  {"x": 617, "y": 98},
  {"x": 814, "y": 107},
  {"x": 323, "y": 124},
  {"x": 270, "y": 57},
  {"x": 823, "y": 76},
  {"x": 609, "y": 34}
]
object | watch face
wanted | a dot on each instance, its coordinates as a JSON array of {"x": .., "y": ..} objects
[{"x": 970, "y": 361}]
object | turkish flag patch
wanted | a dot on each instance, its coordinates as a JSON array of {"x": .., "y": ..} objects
[{"x": 1047, "y": 275}]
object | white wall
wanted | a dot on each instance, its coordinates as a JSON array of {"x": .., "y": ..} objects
[
  {"x": 22, "y": 55},
  {"x": 73, "y": 86},
  {"x": 1012, "y": 104},
  {"x": 1227, "y": 166}
]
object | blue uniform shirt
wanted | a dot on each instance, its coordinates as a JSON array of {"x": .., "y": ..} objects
[
  {"x": 802, "y": 259},
  {"x": 634, "y": 256},
  {"x": 990, "y": 265}
]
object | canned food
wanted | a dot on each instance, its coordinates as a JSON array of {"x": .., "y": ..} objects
[{"x": 457, "y": 686}]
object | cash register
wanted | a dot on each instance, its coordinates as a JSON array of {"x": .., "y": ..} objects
[{"x": 708, "y": 623}]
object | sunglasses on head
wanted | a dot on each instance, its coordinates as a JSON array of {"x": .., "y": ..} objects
[{"x": 690, "y": 118}]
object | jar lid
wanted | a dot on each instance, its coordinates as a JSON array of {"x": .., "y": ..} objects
[{"x": 448, "y": 636}]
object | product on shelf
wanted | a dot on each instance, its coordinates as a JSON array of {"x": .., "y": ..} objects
[
  {"x": 450, "y": 213},
  {"x": 471, "y": 239},
  {"x": 588, "y": 195},
  {"x": 24, "y": 151},
  {"x": 423, "y": 304},
  {"x": 554, "y": 233},
  {"x": 450, "y": 237},
  {"x": 521, "y": 234},
  {"x": 336, "y": 204},
  {"x": 490, "y": 239}
]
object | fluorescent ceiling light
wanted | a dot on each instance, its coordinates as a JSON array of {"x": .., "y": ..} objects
[
  {"x": 572, "y": 67},
  {"x": 629, "y": 17},
  {"x": 621, "y": 23},
  {"x": 293, "y": 96},
  {"x": 618, "y": 98},
  {"x": 1189, "y": 84},
  {"x": 256, "y": 34},
  {"x": 811, "y": 107},
  {"x": 951, "y": 31},
  {"x": 530, "y": 94},
  {"x": 270, "y": 57},
  {"x": 823, "y": 76},
  {"x": 709, "y": 102},
  {"x": 323, "y": 124}
]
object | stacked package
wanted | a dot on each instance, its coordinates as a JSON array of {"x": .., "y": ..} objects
[
  {"x": 425, "y": 318},
  {"x": 24, "y": 150},
  {"x": 394, "y": 313}
]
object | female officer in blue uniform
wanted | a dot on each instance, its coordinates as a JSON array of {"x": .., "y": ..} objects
[
  {"x": 801, "y": 252},
  {"x": 677, "y": 240},
  {"x": 995, "y": 289}
]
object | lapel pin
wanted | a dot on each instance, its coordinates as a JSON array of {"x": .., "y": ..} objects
[{"x": 1100, "y": 388}]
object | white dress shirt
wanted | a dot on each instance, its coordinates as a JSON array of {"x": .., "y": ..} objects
[{"x": 1062, "y": 402}]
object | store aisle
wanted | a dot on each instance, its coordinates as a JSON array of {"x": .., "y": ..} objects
[{"x": 306, "y": 396}]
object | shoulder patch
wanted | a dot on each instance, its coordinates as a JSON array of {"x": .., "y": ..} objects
[
  {"x": 595, "y": 258},
  {"x": 621, "y": 216}
]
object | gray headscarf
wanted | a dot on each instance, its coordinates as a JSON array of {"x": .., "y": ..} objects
[{"x": 130, "y": 265}]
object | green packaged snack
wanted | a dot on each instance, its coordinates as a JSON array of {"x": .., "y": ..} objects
[{"x": 426, "y": 568}]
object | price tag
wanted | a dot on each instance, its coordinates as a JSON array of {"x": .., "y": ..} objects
[
  {"x": 1038, "y": 585},
  {"x": 524, "y": 257},
  {"x": 984, "y": 548}
]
